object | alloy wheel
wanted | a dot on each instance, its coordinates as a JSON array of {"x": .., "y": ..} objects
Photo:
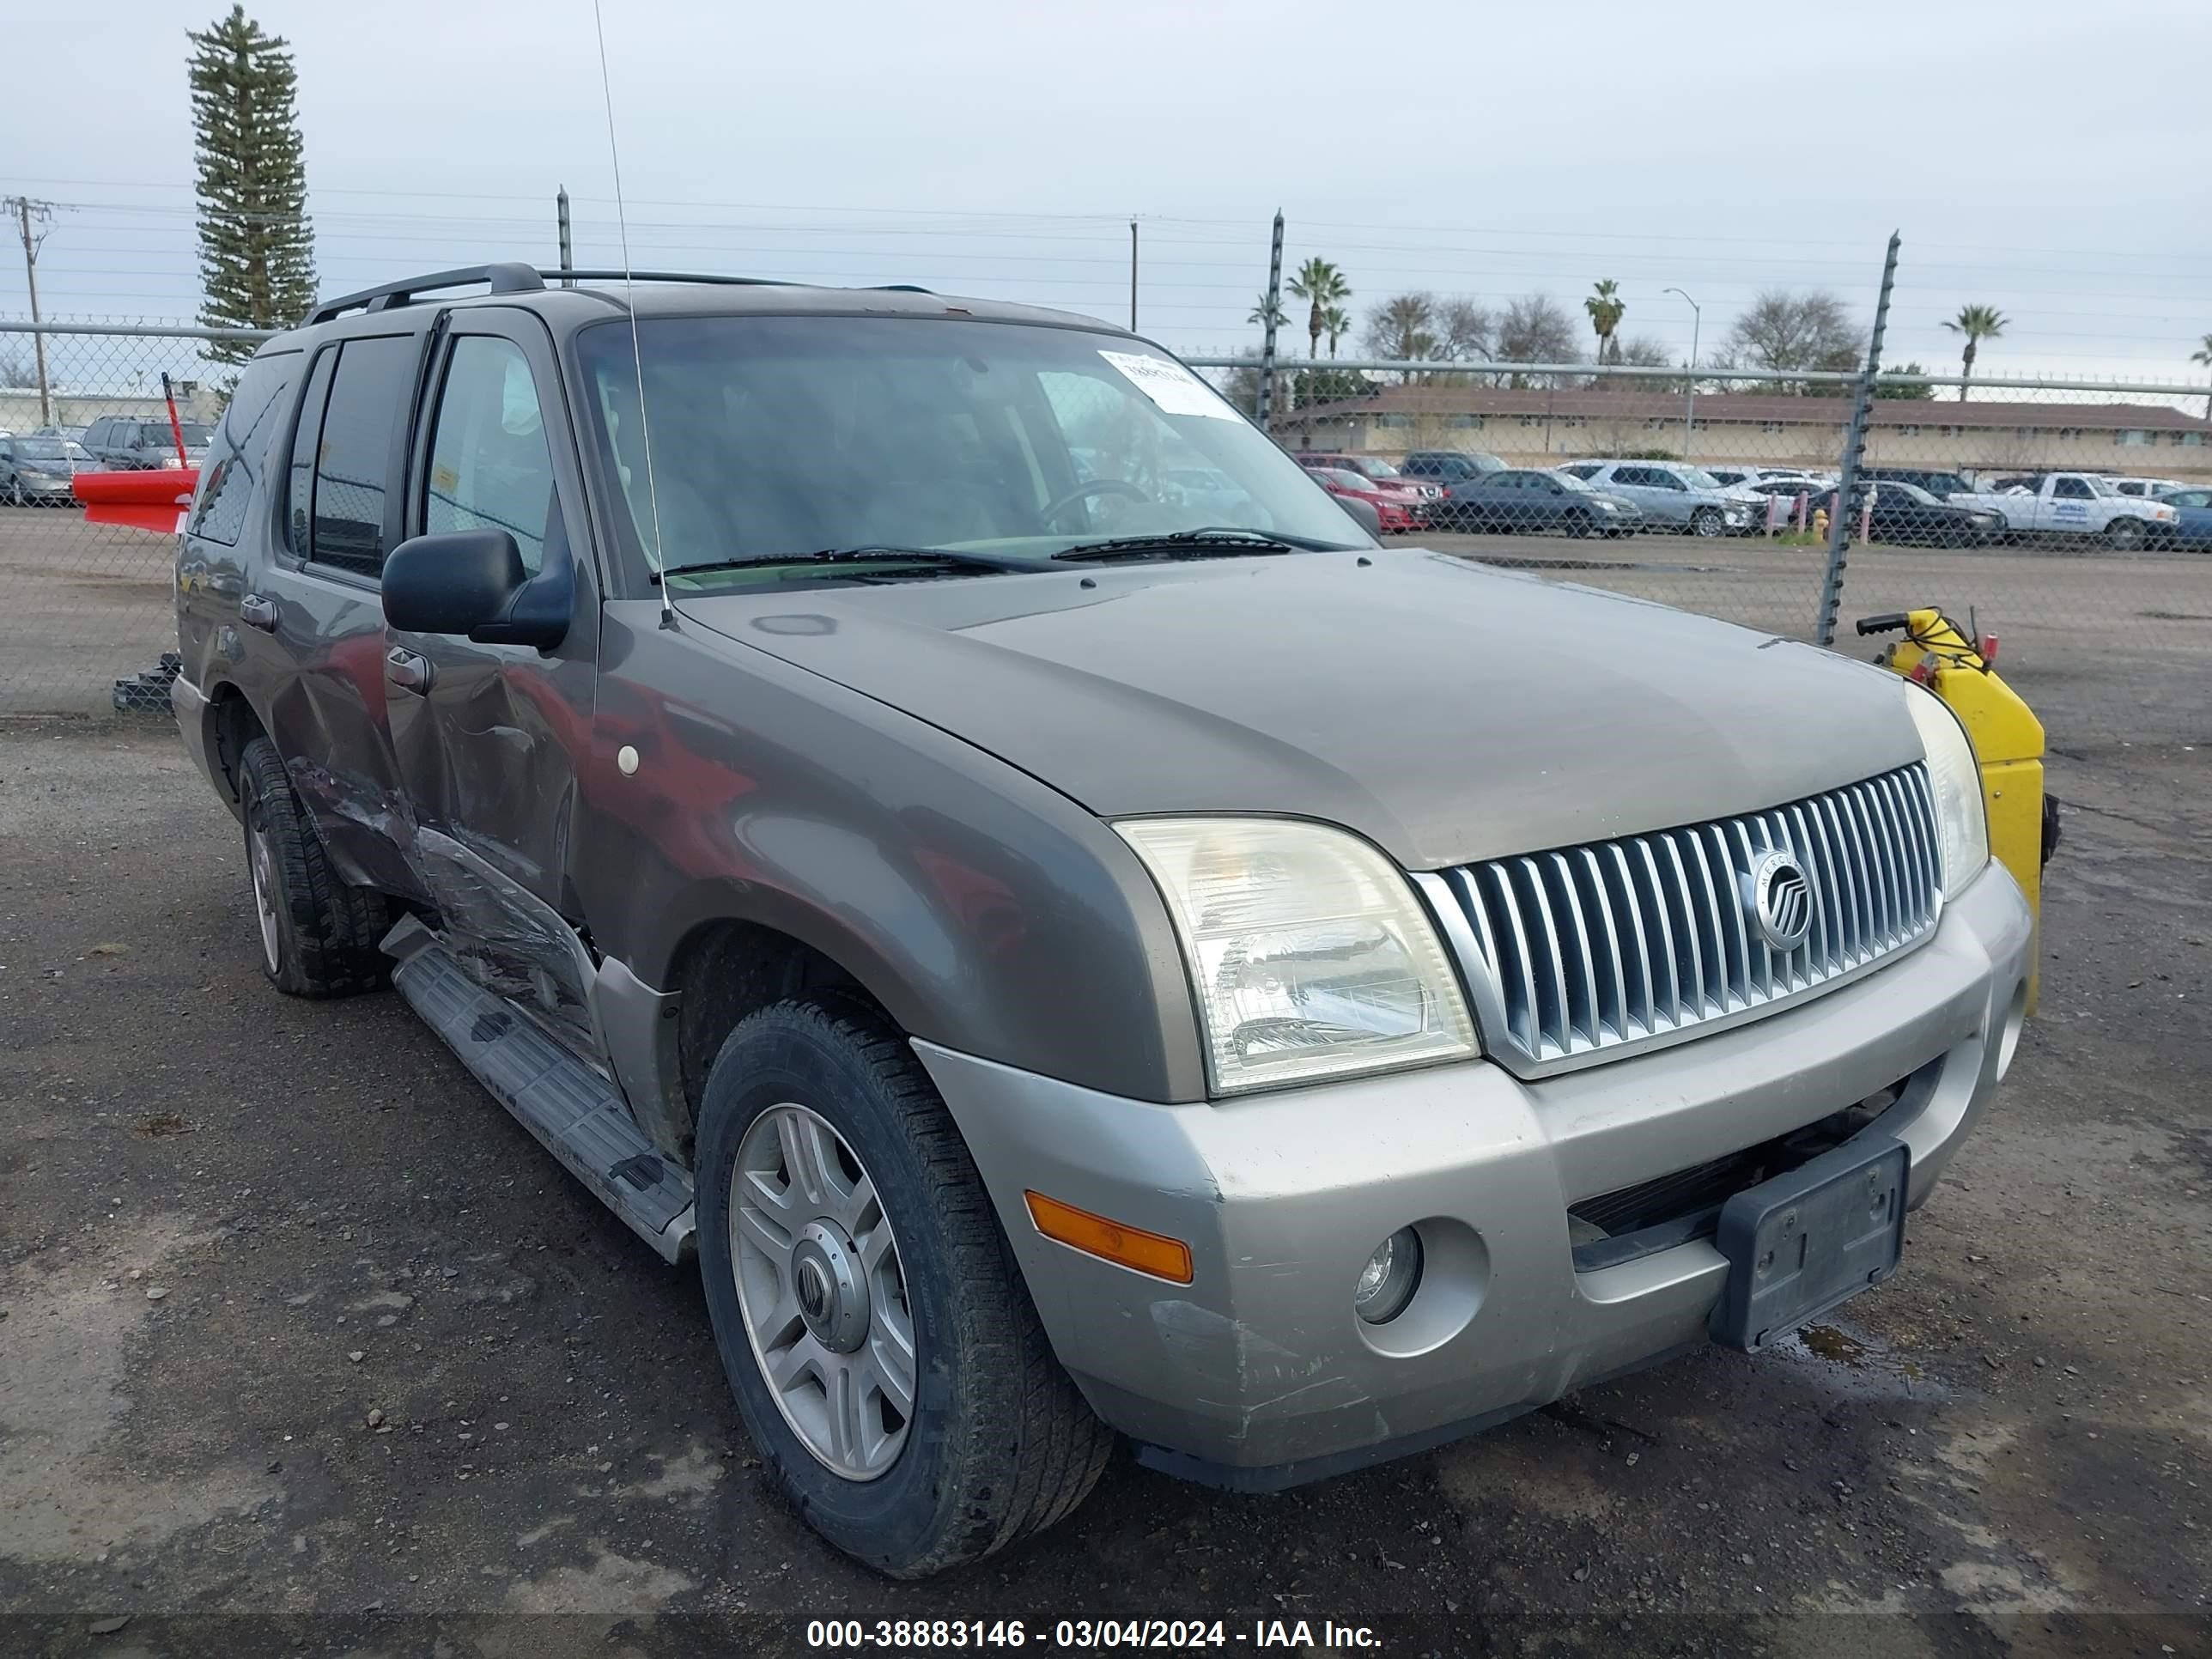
[{"x": 822, "y": 1291}]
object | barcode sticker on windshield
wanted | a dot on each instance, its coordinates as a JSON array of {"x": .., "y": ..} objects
[{"x": 1170, "y": 385}]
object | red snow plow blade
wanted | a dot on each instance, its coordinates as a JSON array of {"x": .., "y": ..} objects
[{"x": 153, "y": 500}]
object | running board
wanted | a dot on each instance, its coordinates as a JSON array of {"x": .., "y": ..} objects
[{"x": 575, "y": 1113}]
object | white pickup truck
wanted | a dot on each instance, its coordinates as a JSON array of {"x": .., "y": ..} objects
[{"x": 2075, "y": 504}]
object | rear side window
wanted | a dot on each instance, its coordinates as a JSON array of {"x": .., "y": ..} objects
[
  {"x": 238, "y": 456},
  {"x": 350, "y": 476},
  {"x": 490, "y": 467}
]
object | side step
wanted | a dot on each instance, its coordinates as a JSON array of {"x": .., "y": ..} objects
[{"x": 577, "y": 1114}]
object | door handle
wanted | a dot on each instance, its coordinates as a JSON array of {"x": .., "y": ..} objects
[
  {"x": 410, "y": 670},
  {"x": 256, "y": 611}
]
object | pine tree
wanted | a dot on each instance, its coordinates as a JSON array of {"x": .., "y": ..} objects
[{"x": 257, "y": 249}]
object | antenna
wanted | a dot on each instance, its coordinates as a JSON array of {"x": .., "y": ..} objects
[{"x": 629, "y": 302}]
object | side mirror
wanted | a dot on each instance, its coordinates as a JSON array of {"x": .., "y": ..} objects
[{"x": 472, "y": 582}]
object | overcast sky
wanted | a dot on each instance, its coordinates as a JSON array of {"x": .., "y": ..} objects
[{"x": 1000, "y": 148}]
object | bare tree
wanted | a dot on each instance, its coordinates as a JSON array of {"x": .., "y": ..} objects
[
  {"x": 1642, "y": 351},
  {"x": 15, "y": 369},
  {"x": 1785, "y": 331},
  {"x": 1404, "y": 326},
  {"x": 1464, "y": 329},
  {"x": 1536, "y": 329}
]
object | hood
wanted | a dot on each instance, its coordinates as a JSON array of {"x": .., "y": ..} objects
[{"x": 1445, "y": 711}]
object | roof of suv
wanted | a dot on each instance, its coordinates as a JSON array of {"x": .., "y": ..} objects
[{"x": 659, "y": 293}]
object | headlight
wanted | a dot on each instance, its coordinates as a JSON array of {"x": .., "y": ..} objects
[
  {"x": 1310, "y": 954},
  {"x": 1607, "y": 506},
  {"x": 1961, "y": 829}
]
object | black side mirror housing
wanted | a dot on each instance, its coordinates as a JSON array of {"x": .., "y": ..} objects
[{"x": 473, "y": 582}]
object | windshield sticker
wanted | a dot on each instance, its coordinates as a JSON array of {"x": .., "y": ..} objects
[{"x": 1174, "y": 388}]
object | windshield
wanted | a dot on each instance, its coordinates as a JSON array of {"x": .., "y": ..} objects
[
  {"x": 1913, "y": 493},
  {"x": 1375, "y": 469},
  {"x": 1572, "y": 482},
  {"x": 1698, "y": 478},
  {"x": 50, "y": 449},
  {"x": 2100, "y": 486},
  {"x": 776, "y": 435}
]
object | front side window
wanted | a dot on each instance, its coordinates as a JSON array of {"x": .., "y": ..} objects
[
  {"x": 372, "y": 382},
  {"x": 2071, "y": 490},
  {"x": 945, "y": 435},
  {"x": 490, "y": 465}
]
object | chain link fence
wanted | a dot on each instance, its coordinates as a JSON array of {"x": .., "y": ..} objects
[{"x": 2072, "y": 520}]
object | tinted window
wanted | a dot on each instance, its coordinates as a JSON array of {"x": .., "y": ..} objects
[
  {"x": 490, "y": 467},
  {"x": 374, "y": 381},
  {"x": 2072, "y": 489},
  {"x": 237, "y": 458},
  {"x": 299, "y": 488}
]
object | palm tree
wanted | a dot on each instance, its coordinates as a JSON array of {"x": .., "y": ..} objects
[
  {"x": 1977, "y": 324},
  {"x": 2201, "y": 355},
  {"x": 1320, "y": 285},
  {"x": 1269, "y": 312},
  {"x": 1605, "y": 309},
  {"x": 1336, "y": 323}
]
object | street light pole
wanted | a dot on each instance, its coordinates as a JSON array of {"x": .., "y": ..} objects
[{"x": 1690, "y": 412}]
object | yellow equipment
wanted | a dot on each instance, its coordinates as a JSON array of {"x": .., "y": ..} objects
[{"x": 2008, "y": 741}]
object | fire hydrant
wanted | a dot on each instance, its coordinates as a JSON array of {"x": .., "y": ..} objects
[{"x": 1820, "y": 524}]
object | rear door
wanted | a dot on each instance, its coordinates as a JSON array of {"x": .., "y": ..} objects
[
  {"x": 488, "y": 738},
  {"x": 317, "y": 594}
]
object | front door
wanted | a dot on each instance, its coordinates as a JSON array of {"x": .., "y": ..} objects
[{"x": 488, "y": 736}]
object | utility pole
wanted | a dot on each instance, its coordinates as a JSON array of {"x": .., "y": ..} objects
[
  {"x": 568, "y": 253},
  {"x": 1690, "y": 413},
  {"x": 1132, "y": 275},
  {"x": 1274, "y": 306},
  {"x": 26, "y": 210}
]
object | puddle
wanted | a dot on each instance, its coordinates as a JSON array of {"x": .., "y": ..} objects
[{"x": 1849, "y": 1361}]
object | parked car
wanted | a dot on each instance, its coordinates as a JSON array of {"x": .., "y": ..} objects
[
  {"x": 39, "y": 472},
  {"x": 1447, "y": 467},
  {"x": 74, "y": 434},
  {"x": 2075, "y": 505},
  {"x": 1396, "y": 508},
  {"x": 2192, "y": 510},
  {"x": 1515, "y": 499},
  {"x": 126, "y": 443},
  {"x": 1672, "y": 493},
  {"x": 1058, "y": 963},
  {"x": 1936, "y": 481},
  {"x": 2151, "y": 487},
  {"x": 1374, "y": 467},
  {"x": 1906, "y": 513}
]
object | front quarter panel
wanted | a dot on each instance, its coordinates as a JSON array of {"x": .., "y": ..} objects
[{"x": 984, "y": 911}]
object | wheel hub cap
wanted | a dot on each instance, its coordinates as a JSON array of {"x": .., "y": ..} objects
[{"x": 833, "y": 1297}]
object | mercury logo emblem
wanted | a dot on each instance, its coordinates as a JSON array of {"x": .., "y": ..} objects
[{"x": 1779, "y": 899}]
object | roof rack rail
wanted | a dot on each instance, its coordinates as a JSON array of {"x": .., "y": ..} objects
[
  {"x": 511, "y": 278},
  {"x": 516, "y": 279}
]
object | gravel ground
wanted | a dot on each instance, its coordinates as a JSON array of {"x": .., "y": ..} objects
[{"x": 305, "y": 1346}]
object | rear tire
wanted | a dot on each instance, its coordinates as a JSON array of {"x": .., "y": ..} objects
[
  {"x": 318, "y": 936},
  {"x": 998, "y": 1442},
  {"x": 1707, "y": 521}
]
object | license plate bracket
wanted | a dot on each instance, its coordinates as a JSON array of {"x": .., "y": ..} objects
[{"x": 1801, "y": 1243}]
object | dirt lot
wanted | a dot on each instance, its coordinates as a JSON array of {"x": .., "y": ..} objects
[{"x": 305, "y": 1346}]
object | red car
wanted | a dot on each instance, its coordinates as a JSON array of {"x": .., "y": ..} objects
[
  {"x": 1375, "y": 470},
  {"x": 1397, "y": 507}
]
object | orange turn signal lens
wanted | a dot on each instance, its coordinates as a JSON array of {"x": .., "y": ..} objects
[{"x": 1111, "y": 1241}]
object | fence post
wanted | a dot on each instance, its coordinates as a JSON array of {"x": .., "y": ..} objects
[
  {"x": 1267, "y": 344},
  {"x": 1832, "y": 585},
  {"x": 568, "y": 254}
]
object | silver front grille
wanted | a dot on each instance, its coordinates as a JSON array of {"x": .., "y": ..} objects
[{"x": 1575, "y": 954}]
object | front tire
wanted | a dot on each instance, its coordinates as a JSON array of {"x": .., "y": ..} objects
[
  {"x": 318, "y": 936},
  {"x": 1707, "y": 521},
  {"x": 825, "y": 1155},
  {"x": 2124, "y": 535}
]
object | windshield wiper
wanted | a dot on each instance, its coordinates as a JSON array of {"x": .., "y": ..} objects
[
  {"x": 1212, "y": 542},
  {"x": 871, "y": 553}
]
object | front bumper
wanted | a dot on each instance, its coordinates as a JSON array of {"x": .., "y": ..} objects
[{"x": 1259, "y": 1375}]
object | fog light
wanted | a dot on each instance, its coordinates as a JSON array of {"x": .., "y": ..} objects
[{"x": 1389, "y": 1280}]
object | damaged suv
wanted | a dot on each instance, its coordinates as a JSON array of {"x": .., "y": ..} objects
[{"x": 1068, "y": 959}]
